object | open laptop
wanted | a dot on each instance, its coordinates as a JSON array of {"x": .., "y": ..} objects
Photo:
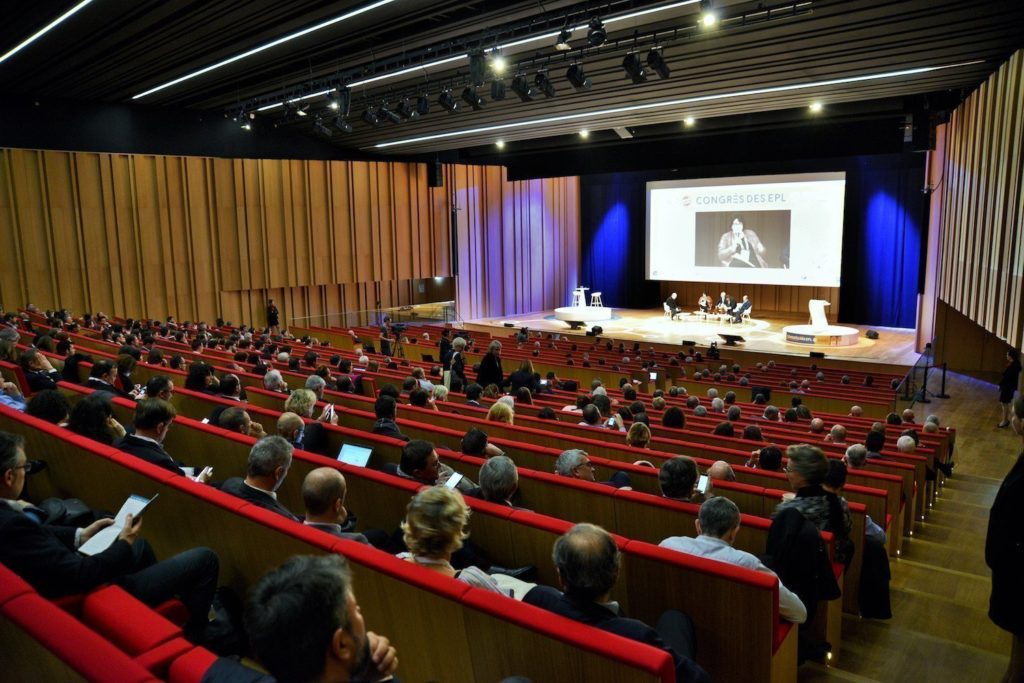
[{"x": 350, "y": 454}]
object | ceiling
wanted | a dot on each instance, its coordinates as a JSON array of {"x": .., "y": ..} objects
[{"x": 761, "y": 58}]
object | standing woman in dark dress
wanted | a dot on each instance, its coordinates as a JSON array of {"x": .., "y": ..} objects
[
  {"x": 1004, "y": 554},
  {"x": 490, "y": 366},
  {"x": 1008, "y": 384},
  {"x": 273, "y": 317}
]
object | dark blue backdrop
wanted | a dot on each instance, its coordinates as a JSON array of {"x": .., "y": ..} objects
[{"x": 884, "y": 234}]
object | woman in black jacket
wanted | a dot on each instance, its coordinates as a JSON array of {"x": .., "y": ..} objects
[
  {"x": 1008, "y": 384},
  {"x": 524, "y": 377},
  {"x": 490, "y": 366},
  {"x": 1004, "y": 554}
]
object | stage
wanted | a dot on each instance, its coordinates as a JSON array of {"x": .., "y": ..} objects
[{"x": 895, "y": 346}]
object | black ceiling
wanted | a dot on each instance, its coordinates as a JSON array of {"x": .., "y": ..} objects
[{"x": 112, "y": 50}]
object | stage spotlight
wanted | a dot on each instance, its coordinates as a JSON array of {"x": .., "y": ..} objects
[
  {"x": 816, "y": 107},
  {"x": 562, "y": 43},
  {"x": 448, "y": 101},
  {"x": 342, "y": 125},
  {"x": 423, "y": 105},
  {"x": 585, "y": 134},
  {"x": 689, "y": 121},
  {"x": 406, "y": 109},
  {"x": 340, "y": 101},
  {"x": 470, "y": 97},
  {"x": 657, "y": 62},
  {"x": 389, "y": 115},
  {"x": 370, "y": 116},
  {"x": 497, "y": 89},
  {"x": 544, "y": 83},
  {"x": 708, "y": 16},
  {"x": 293, "y": 111},
  {"x": 634, "y": 68},
  {"x": 498, "y": 64},
  {"x": 321, "y": 129},
  {"x": 596, "y": 35},
  {"x": 575, "y": 75},
  {"x": 521, "y": 87},
  {"x": 500, "y": 144},
  {"x": 477, "y": 68}
]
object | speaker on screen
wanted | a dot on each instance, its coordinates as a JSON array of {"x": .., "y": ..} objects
[{"x": 871, "y": 334}]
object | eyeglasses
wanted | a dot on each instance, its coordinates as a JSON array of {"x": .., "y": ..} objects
[
  {"x": 29, "y": 466},
  {"x": 587, "y": 464}
]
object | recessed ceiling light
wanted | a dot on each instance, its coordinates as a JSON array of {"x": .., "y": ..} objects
[
  {"x": 41, "y": 32},
  {"x": 689, "y": 121},
  {"x": 578, "y": 116},
  {"x": 266, "y": 46},
  {"x": 816, "y": 107},
  {"x": 584, "y": 133},
  {"x": 500, "y": 144}
]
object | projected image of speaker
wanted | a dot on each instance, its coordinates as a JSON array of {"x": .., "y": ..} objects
[
  {"x": 731, "y": 339},
  {"x": 763, "y": 391},
  {"x": 742, "y": 239}
]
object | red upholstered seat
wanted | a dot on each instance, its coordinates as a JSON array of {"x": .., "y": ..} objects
[
  {"x": 190, "y": 667},
  {"x": 158, "y": 660},
  {"x": 82, "y": 649},
  {"x": 125, "y": 621},
  {"x": 11, "y": 585}
]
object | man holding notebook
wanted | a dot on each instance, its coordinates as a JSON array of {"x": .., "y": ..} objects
[{"x": 49, "y": 556}]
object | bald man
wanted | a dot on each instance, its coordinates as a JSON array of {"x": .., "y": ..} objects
[{"x": 323, "y": 492}]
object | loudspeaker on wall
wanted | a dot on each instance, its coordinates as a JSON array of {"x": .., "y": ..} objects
[
  {"x": 435, "y": 173},
  {"x": 871, "y": 334}
]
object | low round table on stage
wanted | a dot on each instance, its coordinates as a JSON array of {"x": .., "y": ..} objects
[
  {"x": 831, "y": 335},
  {"x": 581, "y": 315}
]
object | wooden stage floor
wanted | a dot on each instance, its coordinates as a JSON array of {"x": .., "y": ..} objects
[{"x": 894, "y": 345}]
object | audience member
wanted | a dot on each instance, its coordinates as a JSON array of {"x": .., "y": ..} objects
[
  {"x": 49, "y": 405},
  {"x": 678, "y": 478},
  {"x": 153, "y": 417},
  {"x": 575, "y": 463},
  {"x": 237, "y": 419},
  {"x": 720, "y": 470},
  {"x": 323, "y": 495},
  {"x": 385, "y": 408},
  {"x": 475, "y": 443},
  {"x": 501, "y": 412},
  {"x": 269, "y": 461},
  {"x": 93, "y": 417},
  {"x": 38, "y": 370},
  {"x": 499, "y": 480}
]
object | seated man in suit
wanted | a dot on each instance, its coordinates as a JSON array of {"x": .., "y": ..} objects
[
  {"x": 269, "y": 461},
  {"x": 229, "y": 387},
  {"x": 717, "y": 524},
  {"x": 575, "y": 464},
  {"x": 38, "y": 370},
  {"x": 420, "y": 462},
  {"x": 236, "y": 419},
  {"x": 678, "y": 478},
  {"x": 475, "y": 443},
  {"x": 305, "y": 625},
  {"x": 103, "y": 377},
  {"x": 46, "y": 555},
  {"x": 499, "y": 480},
  {"x": 737, "y": 313},
  {"x": 323, "y": 494},
  {"x": 672, "y": 305},
  {"x": 385, "y": 408},
  {"x": 587, "y": 561},
  {"x": 161, "y": 386},
  {"x": 153, "y": 418}
]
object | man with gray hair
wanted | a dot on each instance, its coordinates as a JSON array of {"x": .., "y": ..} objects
[
  {"x": 837, "y": 434},
  {"x": 712, "y": 393},
  {"x": 499, "y": 480},
  {"x": 771, "y": 414},
  {"x": 717, "y": 405},
  {"x": 587, "y": 561},
  {"x": 273, "y": 381},
  {"x": 733, "y": 414},
  {"x": 856, "y": 411},
  {"x": 856, "y": 456},
  {"x": 269, "y": 461},
  {"x": 700, "y": 411},
  {"x": 717, "y": 524},
  {"x": 316, "y": 384},
  {"x": 575, "y": 464},
  {"x": 817, "y": 426},
  {"x": 906, "y": 444}
]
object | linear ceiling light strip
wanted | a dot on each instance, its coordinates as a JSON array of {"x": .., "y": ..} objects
[
  {"x": 266, "y": 46},
  {"x": 673, "y": 103},
  {"x": 39, "y": 34}
]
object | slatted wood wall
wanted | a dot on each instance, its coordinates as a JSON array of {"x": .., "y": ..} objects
[
  {"x": 982, "y": 224},
  {"x": 199, "y": 237},
  {"x": 518, "y": 241}
]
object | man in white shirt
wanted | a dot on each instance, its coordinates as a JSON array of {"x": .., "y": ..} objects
[{"x": 717, "y": 524}]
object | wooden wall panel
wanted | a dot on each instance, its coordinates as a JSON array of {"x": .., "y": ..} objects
[{"x": 982, "y": 223}]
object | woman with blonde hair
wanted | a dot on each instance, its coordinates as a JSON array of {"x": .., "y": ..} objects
[
  {"x": 500, "y": 412},
  {"x": 436, "y": 524},
  {"x": 639, "y": 435}
]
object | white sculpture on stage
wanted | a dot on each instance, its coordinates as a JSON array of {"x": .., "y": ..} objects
[{"x": 818, "y": 320}]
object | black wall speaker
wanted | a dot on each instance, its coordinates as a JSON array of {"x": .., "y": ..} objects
[
  {"x": 509, "y": 324},
  {"x": 435, "y": 174},
  {"x": 731, "y": 339},
  {"x": 597, "y": 329},
  {"x": 687, "y": 342},
  {"x": 871, "y": 334},
  {"x": 817, "y": 354}
]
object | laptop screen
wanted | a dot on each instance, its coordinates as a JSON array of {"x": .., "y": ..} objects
[{"x": 350, "y": 454}]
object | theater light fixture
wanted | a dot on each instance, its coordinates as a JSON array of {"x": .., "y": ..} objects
[
  {"x": 370, "y": 116},
  {"x": 321, "y": 128},
  {"x": 576, "y": 76},
  {"x": 43, "y": 31},
  {"x": 472, "y": 98},
  {"x": 477, "y": 68},
  {"x": 545, "y": 85},
  {"x": 634, "y": 68},
  {"x": 708, "y": 16},
  {"x": 342, "y": 125},
  {"x": 340, "y": 101},
  {"x": 816, "y": 107},
  {"x": 521, "y": 86},
  {"x": 497, "y": 89},
  {"x": 673, "y": 103},
  {"x": 293, "y": 111},
  {"x": 500, "y": 144},
  {"x": 689, "y": 121},
  {"x": 423, "y": 105},
  {"x": 266, "y": 46},
  {"x": 391, "y": 116},
  {"x": 562, "y": 42},
  {"x": 498, "y": 64},
  {"x": 657, "y": 62},
  {"x": 596, "y": 35},
  {"x": 585, "y": 134},
  {"x": 448, "y": 101},
  {"x": 406, "y": 109}
]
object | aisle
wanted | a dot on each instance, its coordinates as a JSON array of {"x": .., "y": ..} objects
[{"x": 940, "y": 630}]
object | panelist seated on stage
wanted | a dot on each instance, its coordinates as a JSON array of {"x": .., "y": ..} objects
[
  {"x": 725, "y": 303},
  {"x": 737, "y": 313},
  {"x": 740, "y": 248},
  {"x": 704, "y": 303},
  {"x": 672, "y": 306}
]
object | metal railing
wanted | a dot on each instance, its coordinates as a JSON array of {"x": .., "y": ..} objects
[{"x": 913, "y": 388}]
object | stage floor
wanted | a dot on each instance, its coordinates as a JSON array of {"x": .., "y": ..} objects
[{"x": 894, "y": 345}]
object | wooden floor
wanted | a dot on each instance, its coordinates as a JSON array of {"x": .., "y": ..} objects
[
  {"x": 894, "y": 346},
  {"x": 940, "y": 587}
]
